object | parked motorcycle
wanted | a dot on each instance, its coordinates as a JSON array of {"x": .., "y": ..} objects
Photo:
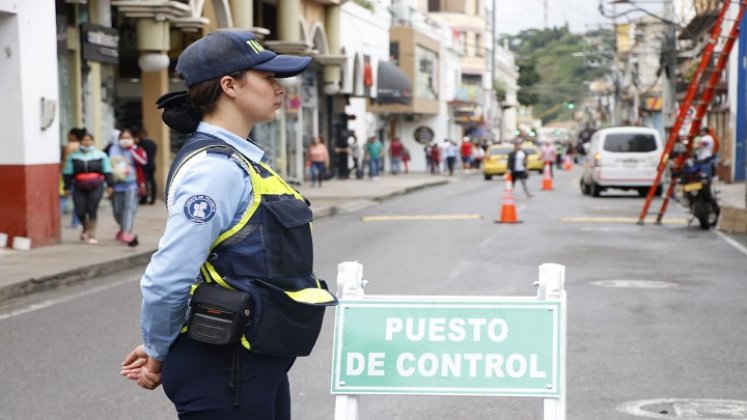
[{"x": 698, "y": 194}]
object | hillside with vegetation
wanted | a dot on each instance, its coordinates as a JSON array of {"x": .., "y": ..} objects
[{"x": 555, "y": 67}]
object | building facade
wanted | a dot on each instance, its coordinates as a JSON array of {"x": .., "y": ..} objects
[{"x": 420, "y": 71}]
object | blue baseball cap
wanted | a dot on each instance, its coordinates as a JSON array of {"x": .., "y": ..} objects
[{"x": 222, "y": 53}]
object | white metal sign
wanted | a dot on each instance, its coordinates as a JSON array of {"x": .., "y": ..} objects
[{"x": 500, "y": 346}]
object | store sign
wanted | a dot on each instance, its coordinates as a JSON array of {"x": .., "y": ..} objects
[
  {"x": 508, "y": 347},
  {"x": 100, "y": 44}
]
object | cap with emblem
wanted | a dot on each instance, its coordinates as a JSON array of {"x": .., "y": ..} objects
[{"x": 225, "y": 52}]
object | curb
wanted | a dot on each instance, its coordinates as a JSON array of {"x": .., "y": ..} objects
[
  {"x": 76, "y": 275},
  {"x": 88, "y": 272}
]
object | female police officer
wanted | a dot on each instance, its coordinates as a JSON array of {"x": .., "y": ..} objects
[{"x": 235, "y": 228}]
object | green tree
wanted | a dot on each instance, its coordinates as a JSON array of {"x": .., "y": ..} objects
[
  {"x": 528, "y": 78},
  {"x": 553, "y": 66},
  {"x": 500, "y": 91}
]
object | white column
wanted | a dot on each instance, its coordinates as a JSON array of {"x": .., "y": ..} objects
[{"x": 30, "y": 149}]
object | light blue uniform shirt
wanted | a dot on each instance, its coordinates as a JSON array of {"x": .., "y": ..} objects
[{"x": 186, "y": 242}]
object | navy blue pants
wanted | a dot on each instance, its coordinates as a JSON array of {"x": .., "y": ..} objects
[{"x": 196, "y": 378}]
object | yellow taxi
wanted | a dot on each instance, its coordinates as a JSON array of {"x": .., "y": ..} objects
[
  {"x": 534, "y": 160},
  {"x": 496, "y": 159}
]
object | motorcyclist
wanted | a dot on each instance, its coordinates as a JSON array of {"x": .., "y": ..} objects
[{"x": 704, "y": 155}]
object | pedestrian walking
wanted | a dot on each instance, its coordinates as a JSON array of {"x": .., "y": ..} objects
[
  {"x": 428, "y": 160},
  {"x": 435, "y": 159},
  {"x": 373, "y": 152},
  {"x": 149, "y": 169},
  {"x": 451, "y": 152},
  {"x": 406, "y": 159},
  {"x": 87, "y": 175},
  {"x": 355, "y": 154},
  {"x": 127, "y": 161},
  {"x": 517, "y": 164},
  {"x": 549, "y": 156},
  {"x": 478, "y": 154},
  {"x": 381, "y": 156},
  {"x": 74, "y": 137},
  {"x": 242, "y": 232},
  {"x": 559, "y": 152},
  {"x": 319, "y": 158},
  {"x": 465, "y": 151},
  {"x": 396, "y": 152}
]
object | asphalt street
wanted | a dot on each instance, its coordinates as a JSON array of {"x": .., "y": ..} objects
[{"x": 653, "y": 311}]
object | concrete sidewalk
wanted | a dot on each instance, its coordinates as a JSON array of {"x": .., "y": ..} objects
[
  {"x": 732, "y": 195},
  {"x": 24, "y": 272},
  {"x": 733, "y": 207}
]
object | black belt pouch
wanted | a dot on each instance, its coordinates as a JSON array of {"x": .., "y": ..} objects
[
  {"x": 218, "y": 315},
  {"x": 281, "y": 326}
]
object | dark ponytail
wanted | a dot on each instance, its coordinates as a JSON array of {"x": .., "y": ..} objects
[
  {"x": 178, "y": 112},
  {"x": 183, "y": 110}
]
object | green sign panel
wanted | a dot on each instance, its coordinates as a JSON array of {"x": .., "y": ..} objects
[{"x": 508, "y": 347}]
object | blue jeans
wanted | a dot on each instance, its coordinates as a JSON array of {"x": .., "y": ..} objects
[
  {"x": 373, "y": 167},
  {"x": 74, "y": 220},
  {"x": 124, "y": 207},
  {"x": 396, "y": 164},
  {"x": 317, "y": 172},
  {"x": 706, "y": 166}
]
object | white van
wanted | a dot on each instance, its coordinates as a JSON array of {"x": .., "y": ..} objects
[{"x": 621, "y": 157}]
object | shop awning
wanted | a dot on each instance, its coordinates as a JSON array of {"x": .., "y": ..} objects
[{"x": 393, "y": 85}]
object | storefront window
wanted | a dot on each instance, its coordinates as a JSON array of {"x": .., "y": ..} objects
[
  {"x": 291, "y": 147},
  {"x": 267, "y": 136},
  {"x": 309, "y": 102},
  {"x": 67, "y": 112},
  {"x": 426, "y": 80}
]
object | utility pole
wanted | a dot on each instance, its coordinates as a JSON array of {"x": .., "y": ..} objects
[
  {"x": 544, "y": 4},
  {"x": 670, "y": 49},
  {"x": 493, "y": 72}
]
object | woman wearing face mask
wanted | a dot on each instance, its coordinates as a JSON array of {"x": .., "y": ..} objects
[
  {"x": 125, "y": 158},
  {"x": 87, "y": 169}
]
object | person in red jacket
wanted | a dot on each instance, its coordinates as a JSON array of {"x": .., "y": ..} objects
[
  {"x": 465, "y": 150},
  {"x": 396, "y": 152},
  {"x": 435, "y": 159}
]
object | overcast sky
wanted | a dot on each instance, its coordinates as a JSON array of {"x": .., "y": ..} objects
[{"x": 514, "y": 16}]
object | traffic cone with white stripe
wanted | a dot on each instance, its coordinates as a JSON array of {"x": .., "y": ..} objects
[
  {"x": 508, "y": 208},
  {"x": 547, "y": 178},
  {"x": 567, "y": 164}
]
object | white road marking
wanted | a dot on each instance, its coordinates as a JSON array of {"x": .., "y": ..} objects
[
  {"x": 635, "y": 284},
  {"x": 608, "y": 229},
  {"x": 51, "y": 302},
  {"x": 418, "y": 217},
  {"x": 631, "y": 220},
  {"x": 731, "y": 242},
  {"x": 687, "y": 408}
]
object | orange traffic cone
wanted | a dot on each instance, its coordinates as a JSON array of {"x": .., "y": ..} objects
[
  {"x": 547, "y": 178},
  {"x": 508, "y": 209},
  {"x": 567, "y": 165}
]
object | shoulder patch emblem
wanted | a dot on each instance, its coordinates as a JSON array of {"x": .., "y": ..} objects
[{"x": 199, "y": 209}]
